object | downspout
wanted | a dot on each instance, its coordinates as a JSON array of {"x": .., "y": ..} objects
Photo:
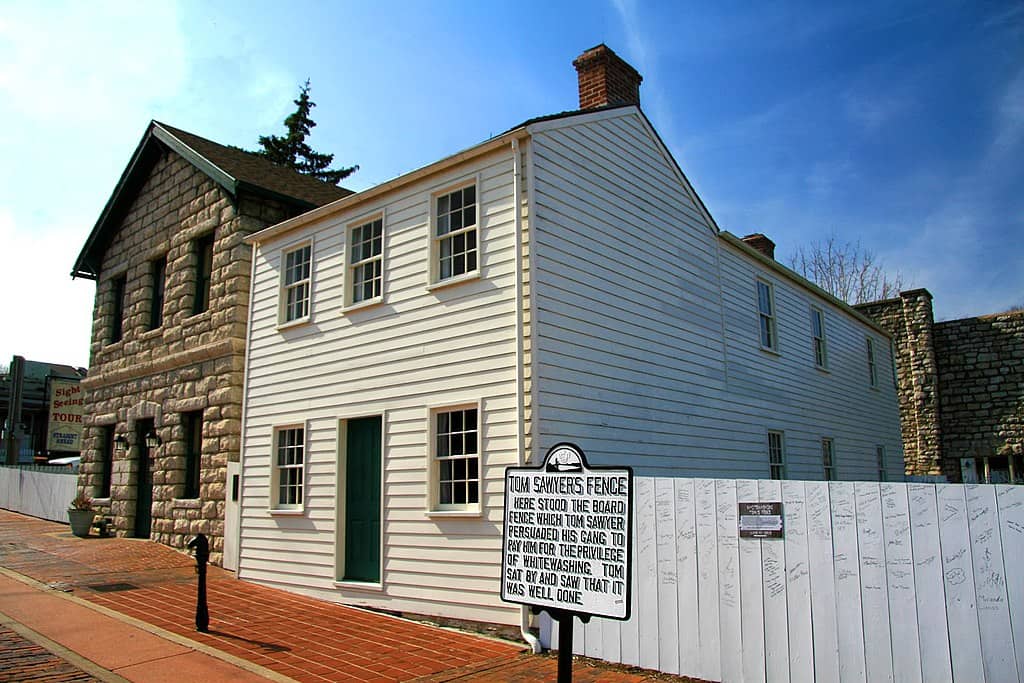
[{"x": 524, "y": 611}]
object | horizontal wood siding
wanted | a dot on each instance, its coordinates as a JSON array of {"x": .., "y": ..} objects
[
  {"x": 646, "y": 340},
  {"x": 418, "y": 349}
]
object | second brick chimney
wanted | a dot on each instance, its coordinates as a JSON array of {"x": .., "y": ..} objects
[
  {"x": 605, "y": 79},
  {"x": 761, "y": 243}
]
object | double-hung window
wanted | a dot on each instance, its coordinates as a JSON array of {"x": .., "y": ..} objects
[
  {"x": 289, "y": 460},
  {"x": 766, "y": 315},
  {"x": 454, "y": 242},
  {"x": 818, "y": 338},
  {"x": 880, "y": 458},
  {"x": 295, "y": 286},
  {"x": 776, "y": 455},
  {"x": 872, "y": 365},
  {"x": 365, "y": 262},
  {"x": 828, "y": 459},
  {"x": 456, "y": 455}
]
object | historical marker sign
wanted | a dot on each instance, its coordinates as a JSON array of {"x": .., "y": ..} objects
[{"x": 567, "y": 541}]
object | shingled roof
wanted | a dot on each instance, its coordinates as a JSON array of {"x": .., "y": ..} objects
[{"x": 233, "y": 169}]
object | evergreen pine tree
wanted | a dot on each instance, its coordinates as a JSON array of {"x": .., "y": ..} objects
[{"x": 291, "y": 149}]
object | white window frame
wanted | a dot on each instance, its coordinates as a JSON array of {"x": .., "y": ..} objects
[
  {"x": 768, "y": 318},
  {"x": 350, "y": 302},
  {"x": 828, "y": 458},
  {"x": 872, "y": 363},
  {"x": 776, "y": 464},
  {"x": 883, "y": 474},
  {"x": 819, "y": 338},
  {"x": 468, "y": 509},
  {"x": 286, "y": 287},
  {"x": 436, "y": 241},
  {"x": 276, "y": 469}
]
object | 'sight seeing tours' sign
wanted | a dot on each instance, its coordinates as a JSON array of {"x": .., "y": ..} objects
[{"x": 566, "y": 541}]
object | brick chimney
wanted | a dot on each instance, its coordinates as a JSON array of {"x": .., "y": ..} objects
[
  {"x": 605, "y": 79},
  {"x": 761, "y": 243}
]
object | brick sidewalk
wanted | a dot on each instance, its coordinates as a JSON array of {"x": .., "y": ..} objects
[{"x": 304, "y": 639}]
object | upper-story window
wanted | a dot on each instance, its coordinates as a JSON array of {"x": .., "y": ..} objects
[
  {"x": 365, "y": 262},
  {"x": 157, "y": 276},
  {"x": 766, "y": 315},
  {"x": 295, "y": 285},
  {"x": 118, "y": 290},
  {"x": 828, "y": 459},
  {"x": 776, "y": 455},
  {"x": 203, "y": 250},
  {"x": 454, "y": 242},
  {"x": 818, "y": 338},
  {"x": 880, "y": 458},
  {"x": 192, "y": 424},
  {"x": 872, "y": 365}
]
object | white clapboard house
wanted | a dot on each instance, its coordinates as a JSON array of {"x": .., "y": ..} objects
[{"x": 559, "y": 282}]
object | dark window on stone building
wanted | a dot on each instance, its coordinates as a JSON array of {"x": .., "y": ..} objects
[
  {"x": 157, "y": 272},
  {"x": 193, "y": 424},
  {"x": 106, "y": 462},
  {"x": 204, "y": 270},
  {"x": 117, "y": 315}
]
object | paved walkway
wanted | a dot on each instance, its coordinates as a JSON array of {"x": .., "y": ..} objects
[{"x": 124, "y": 609}]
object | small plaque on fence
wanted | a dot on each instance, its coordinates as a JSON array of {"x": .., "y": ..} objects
[{"x": 760, "y": 520}]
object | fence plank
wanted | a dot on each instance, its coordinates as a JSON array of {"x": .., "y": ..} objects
[
  {"x": 686, "y": 577},
  {"x": 821, "y": 553},
  {"x": 931, "y": 611},
  {"x": 874, "y": 597},
  {"x": 751, "y": 647},
  {"x": 707, "y": 566},
  {"x": 776, "y": 632},
  {"x": 1010, "y": 501},
  {"x": 849, "y": 621},
  {"x": 667, "y": 636},
  {"x": 647, "y": 572},
  {"x": 990, "y": 585},
  {"x": 899, "y": 574},
  {"x": 798, "y": 584},
  {"x": 629, "y": 631},
  {"x": 957, "y": 571},
  {"x": 728, "y": 583}
]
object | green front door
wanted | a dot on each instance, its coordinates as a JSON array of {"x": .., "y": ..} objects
[{"x": 362, "y": 500}]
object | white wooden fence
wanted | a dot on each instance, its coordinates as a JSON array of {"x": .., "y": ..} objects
[
  {"x": 872, "y": 582},
  {"x": 43, "y": 494}
]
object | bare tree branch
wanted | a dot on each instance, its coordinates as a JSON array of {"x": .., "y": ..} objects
[{"x": 846, "y": 270}]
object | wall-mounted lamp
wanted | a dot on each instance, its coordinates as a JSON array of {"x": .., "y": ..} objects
[
  {"x": 120, "y": 443},
  {"x": 153, "y": 439}
]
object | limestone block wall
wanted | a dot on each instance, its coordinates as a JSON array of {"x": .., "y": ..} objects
[
  {"x": 981, "y": 384},
  {"x": 189, "y": 363}
]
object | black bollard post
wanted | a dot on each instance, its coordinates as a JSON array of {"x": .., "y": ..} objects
[{"x": 202, "y": 550}]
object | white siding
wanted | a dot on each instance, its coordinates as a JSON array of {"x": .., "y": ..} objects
[
  {"x": 646, "y": 339},
  {"x": 419, "y": 348}
]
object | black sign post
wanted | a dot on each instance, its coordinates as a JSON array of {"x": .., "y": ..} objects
[{"x": 567, "y": 542}]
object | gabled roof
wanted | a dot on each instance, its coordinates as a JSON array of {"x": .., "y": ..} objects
[{"x": 233, "y": 169}]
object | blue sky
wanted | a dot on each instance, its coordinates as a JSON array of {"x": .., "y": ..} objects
[{"x": 896, "y": 124}]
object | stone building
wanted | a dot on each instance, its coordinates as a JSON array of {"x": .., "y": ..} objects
[
  {"x": 163, "y": 399},
  {"x": 961, "y": 389}
]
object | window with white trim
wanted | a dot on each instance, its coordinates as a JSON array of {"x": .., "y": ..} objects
[
  {"x": 872, "y": 366},
  {"x": 454, "y": 242},
  {"x": 766, "y": 315},
  {"x": 828, "y": 459},
  {"x": 289, "y": 462},
  {"x": 456, "y": 458},
  {"x": 365, "y": 262},
  {"x": 880, "y": 457},
  {"x": 776, "y": 455},
  {"x": 818, "y": 338},
  {"x": 295, "y": 285}
]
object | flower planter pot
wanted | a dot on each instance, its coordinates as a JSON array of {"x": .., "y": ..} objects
[{"x": 81, "y": 521}]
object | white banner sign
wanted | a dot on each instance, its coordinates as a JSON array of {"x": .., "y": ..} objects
[
  {"x": 566, "y": 542},
  {"x": 64, "y": 433}
]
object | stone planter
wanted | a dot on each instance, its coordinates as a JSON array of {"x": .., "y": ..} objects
[{"x": 81, "y": 521}]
